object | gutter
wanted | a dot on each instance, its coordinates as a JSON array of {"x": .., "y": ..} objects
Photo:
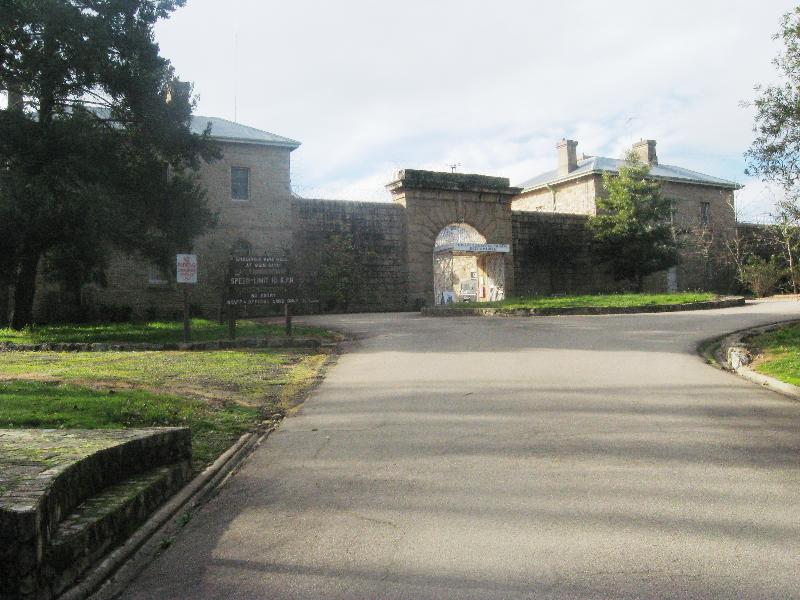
[{"x": 292, "y": 145}]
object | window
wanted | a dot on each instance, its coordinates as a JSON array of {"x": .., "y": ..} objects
[
  {"x": 704, "y": 213},
  {"x": 240, "y": 183},
  {"x": 157, "y": 275},
  {"x": 673, "y": 210}
]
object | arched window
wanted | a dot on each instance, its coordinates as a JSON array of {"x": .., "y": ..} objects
[{"x": 241, "y": 248}]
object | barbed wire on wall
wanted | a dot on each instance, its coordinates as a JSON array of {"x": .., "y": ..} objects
[{"x": 362, "y": 194}]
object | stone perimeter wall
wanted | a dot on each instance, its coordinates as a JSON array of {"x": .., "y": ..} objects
[
  {"x": 553, "y": 255},
  {"x": 378, "y": 234},
  {"x": 552, "y": 252}
]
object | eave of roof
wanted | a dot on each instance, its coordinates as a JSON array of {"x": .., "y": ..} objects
[
  {"x": 597, "y": 165},
  {"x": 223, "y": 130}
]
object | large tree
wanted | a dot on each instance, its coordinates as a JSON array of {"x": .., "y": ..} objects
[
  {"x": 775, "y": 153},
  {"x": 96, "y": 149},
  {"x": 632, "y": 232}
]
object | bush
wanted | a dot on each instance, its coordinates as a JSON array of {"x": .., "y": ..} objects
[{"x": 762, "y": 276}]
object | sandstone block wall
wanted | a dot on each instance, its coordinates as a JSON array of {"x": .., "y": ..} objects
[
  {"x": 704, "y": 246},
  {"x": 553, "y": 255},
  {"x": 378, "y": 235},
  {"x": 572, "y": 197}
]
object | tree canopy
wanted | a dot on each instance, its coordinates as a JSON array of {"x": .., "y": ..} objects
[
  {"x": 96, "y": 147},
  {"x": 775, "y": 152},
  {"x": 632, "y": 230}
]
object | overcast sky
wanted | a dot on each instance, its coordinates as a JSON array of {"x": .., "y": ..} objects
[{"x": 370, "y": 87}]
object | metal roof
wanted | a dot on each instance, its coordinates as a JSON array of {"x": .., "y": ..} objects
[
  {"x": 228, "y": 131},
  {"x": 601, "y": 164}
]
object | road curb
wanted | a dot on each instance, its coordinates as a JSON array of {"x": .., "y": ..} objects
[
  {"x": 109, "y": 577},
  {"x": 242, "y": 343},
  {"x": 734, "y": 354},
  {"x": 453, "y": 311}
]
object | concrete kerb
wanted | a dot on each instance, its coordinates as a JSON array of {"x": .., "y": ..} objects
[
  {"x": 267, "y": 342},
  {"x": 734, "y": 354},
  {"x": 113, "y": 573},
  {"x": 454, "y": 311}
]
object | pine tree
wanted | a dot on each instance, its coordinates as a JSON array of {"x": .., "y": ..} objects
[
  {"x": 95, "y": 143},
  {"x": 632, "y": 233}
]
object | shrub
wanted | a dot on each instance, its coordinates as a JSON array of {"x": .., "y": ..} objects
[{"x": 762, "y": 276}]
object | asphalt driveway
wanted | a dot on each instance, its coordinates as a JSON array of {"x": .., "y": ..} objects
[{"x": 564, "y": 457}]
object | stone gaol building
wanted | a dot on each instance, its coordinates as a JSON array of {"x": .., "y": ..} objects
[{"x": 443, "y": 237}]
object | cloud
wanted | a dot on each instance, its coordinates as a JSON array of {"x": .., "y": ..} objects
[
  {"x": 755, "y": 202},
  {"x": 369, "y": 87}
]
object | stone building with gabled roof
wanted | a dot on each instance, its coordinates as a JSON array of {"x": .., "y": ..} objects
[
  {"x": 703, "y": 209},
  {"x": 249, "y": 189}
]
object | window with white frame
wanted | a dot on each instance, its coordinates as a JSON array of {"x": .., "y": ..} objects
[{"x": 240, "y": 183}]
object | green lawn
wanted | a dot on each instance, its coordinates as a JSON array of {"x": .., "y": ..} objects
[
  {"x": 218, "y": 394},
  {"x": 35, "y": 404},
  {"x": 252, "y": 377},
  {"x": 779, "y": 354},
  {"x": 151, "y": 332},
  {"x": 600, "y": 300}
]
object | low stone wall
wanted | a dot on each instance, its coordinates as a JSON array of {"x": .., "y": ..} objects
[
  {"x": 454, "y": 311},
  {"x": 46, "y": 474}
]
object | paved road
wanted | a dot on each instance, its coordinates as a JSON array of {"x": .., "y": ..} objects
[{"x": 566, "y": 457}]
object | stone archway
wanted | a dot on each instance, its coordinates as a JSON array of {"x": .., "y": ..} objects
[{"x": 432, "y": 202}]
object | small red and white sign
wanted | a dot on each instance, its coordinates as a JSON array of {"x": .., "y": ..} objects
[{"x": 187, "y": 268}]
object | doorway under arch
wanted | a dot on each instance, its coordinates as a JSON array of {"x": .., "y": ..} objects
[{"x": 465, "y": 267}]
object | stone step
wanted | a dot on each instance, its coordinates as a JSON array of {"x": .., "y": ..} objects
[
  {"x": 67, "y": 496},
  {"x": 104, "y": 521}
]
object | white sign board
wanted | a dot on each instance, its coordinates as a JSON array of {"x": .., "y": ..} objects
[
  {"x": 187, "y": 268},
  {"x": 474, "y": 248}
]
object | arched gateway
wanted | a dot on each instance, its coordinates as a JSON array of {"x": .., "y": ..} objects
[
  {"x": 464, "y": 223},
  {"x": 466, "y": 268}
]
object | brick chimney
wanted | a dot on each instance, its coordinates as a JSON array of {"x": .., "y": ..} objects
[
  {"x": 177, "y": 89},
  {"x": 567, "y": 156},
  {"x": 646, "y": 151}
]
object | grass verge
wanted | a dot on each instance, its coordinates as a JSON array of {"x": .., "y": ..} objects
[
  {"x": 35, "y": 404},
  {"x": 599, "y": 300},
  {"x": 217, "y": 394},
  {"x": 778, "y": 354},
  {"x": 152, "y": 332}
]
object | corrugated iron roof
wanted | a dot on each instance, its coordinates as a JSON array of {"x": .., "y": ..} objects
[
  {"x": 228, "y": 131},
  {"x": 601, "y": 164}
]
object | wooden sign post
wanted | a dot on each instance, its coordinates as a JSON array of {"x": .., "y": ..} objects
[{"x": 259, "y": 281}]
